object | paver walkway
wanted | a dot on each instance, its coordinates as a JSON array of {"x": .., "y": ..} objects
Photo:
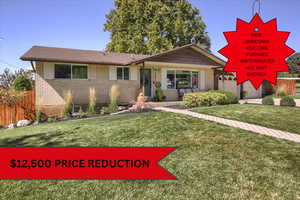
[{"x": 242, "y": 125}]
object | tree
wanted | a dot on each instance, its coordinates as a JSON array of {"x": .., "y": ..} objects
[
  {"x": 7, "y": 78},
  {"x": 152, "y": 26},
  {"x": 294, "y": 63},
  {"x": 22, "y": 83}
]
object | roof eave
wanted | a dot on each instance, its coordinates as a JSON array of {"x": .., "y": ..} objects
[{"x": 70, "y": 61}]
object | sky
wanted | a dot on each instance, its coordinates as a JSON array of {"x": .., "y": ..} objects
[{"x": 79, "y": 23}]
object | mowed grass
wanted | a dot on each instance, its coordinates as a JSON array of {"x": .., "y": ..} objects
[
  {"x": 212, "y": 161},
  {"x": 276, "y": 117}
]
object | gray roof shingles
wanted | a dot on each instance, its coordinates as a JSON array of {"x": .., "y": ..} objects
[{"x": 53, "y": 54}]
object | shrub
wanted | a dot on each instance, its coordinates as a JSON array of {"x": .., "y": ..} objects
[
  {"x": 10, "y": 97},
  {"x": 109, "y": 109},
  {"x": 287, "y": 101},
  {"x": 281, "y": 91},
  {"x": 281, "y": 94},
  {"x": 38, "y": 113},
  {"x": 52, "y": 118},
  {"x": 81, "y": 113},
  {"x": 114, "y": 95},
  {"x": 159, "y": 95},
  {"x": 231, "y": 98},
  {"x": 268, "y": 100},
  {"x": 38, "y": 116},
  {"x": 22, "y": 83},
  {"x": 113, "y": 106},
  {"x": 8, "y": 77},
  {"x": 68, "y": 107},
  {"x": 92, "y": 101},
  {"x": 203, "y": 99}
]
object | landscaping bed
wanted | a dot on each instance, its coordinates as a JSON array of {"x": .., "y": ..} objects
[
  {"x": 212, "y": 161},
  {"x": 276, "y": 117}
]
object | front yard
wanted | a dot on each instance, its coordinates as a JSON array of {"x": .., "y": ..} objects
[
  {"x": 212, "y": 161},
  {"x": 276, "y": 117}
]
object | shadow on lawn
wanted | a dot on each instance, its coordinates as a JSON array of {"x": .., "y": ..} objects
[{"x": 49, "y": 139}]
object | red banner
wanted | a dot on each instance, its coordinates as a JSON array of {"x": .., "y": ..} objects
[{"x": 84, "y": 163}]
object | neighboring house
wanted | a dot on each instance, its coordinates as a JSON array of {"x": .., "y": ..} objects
[{"x": 60, "y": 69}]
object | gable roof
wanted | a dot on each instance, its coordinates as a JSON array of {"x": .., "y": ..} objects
[
  {"x": 214, "y": 59},
  {"x": 54, "y": 54}
]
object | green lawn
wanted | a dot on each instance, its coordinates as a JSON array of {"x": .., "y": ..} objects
[
  {"x": 277, "y": 117},
  {"x": 212, "y": 161}
]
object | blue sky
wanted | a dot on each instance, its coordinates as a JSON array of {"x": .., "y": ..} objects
[{"x": 79, "y": 23}]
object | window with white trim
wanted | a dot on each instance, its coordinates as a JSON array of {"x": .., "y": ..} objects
[
  {"x": 123, "y": 73},
  {"x": 69, "y": 71},
  {"x": 182, "y": 79}
]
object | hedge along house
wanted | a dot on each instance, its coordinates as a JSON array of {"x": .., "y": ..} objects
[{"x": 59, "y": 70}]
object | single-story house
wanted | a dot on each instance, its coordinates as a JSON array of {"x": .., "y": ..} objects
[{"x": 60, "y": 69}]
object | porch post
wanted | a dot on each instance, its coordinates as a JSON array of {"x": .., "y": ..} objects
[
  {"x": 143, "y": 82},
  {"x": 216, "y": 79},
  {"x": 242, "y": 91}
]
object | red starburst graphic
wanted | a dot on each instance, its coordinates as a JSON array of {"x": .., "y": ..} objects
[{"x": 256, "y": 51}]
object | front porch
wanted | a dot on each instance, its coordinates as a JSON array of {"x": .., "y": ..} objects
[{"x": 169, "y": 77}]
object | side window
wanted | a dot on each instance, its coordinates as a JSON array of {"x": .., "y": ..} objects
[
  {"x": 62, "y": 71},
  {"x": 123, "y": 73},
  {"x": 67, "y": 71},
  {"x": 119, "y": 73},
  {"x": 79, "y": 72},
  {"x": 126, "y": 73}
]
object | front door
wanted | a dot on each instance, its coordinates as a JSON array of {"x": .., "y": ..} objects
[{"x": 145, "y": 75}]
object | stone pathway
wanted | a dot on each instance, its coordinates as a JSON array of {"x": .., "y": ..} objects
[{"x": 242, "y": 125}]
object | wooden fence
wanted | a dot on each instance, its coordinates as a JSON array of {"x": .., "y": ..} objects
[
  {"x": 289, "y": 86},
  {"x": 25, "y": 109}
]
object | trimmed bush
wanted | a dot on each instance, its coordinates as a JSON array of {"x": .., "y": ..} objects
[
  {"x": 159, "y": 95},
  {"x": 22, "y": 83},
  {"x": 203, "y": 99},
  {"x": 231, "y": 98},
  {"x": 268, "y": 100},
  {"x": 287, "y": 101}
]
